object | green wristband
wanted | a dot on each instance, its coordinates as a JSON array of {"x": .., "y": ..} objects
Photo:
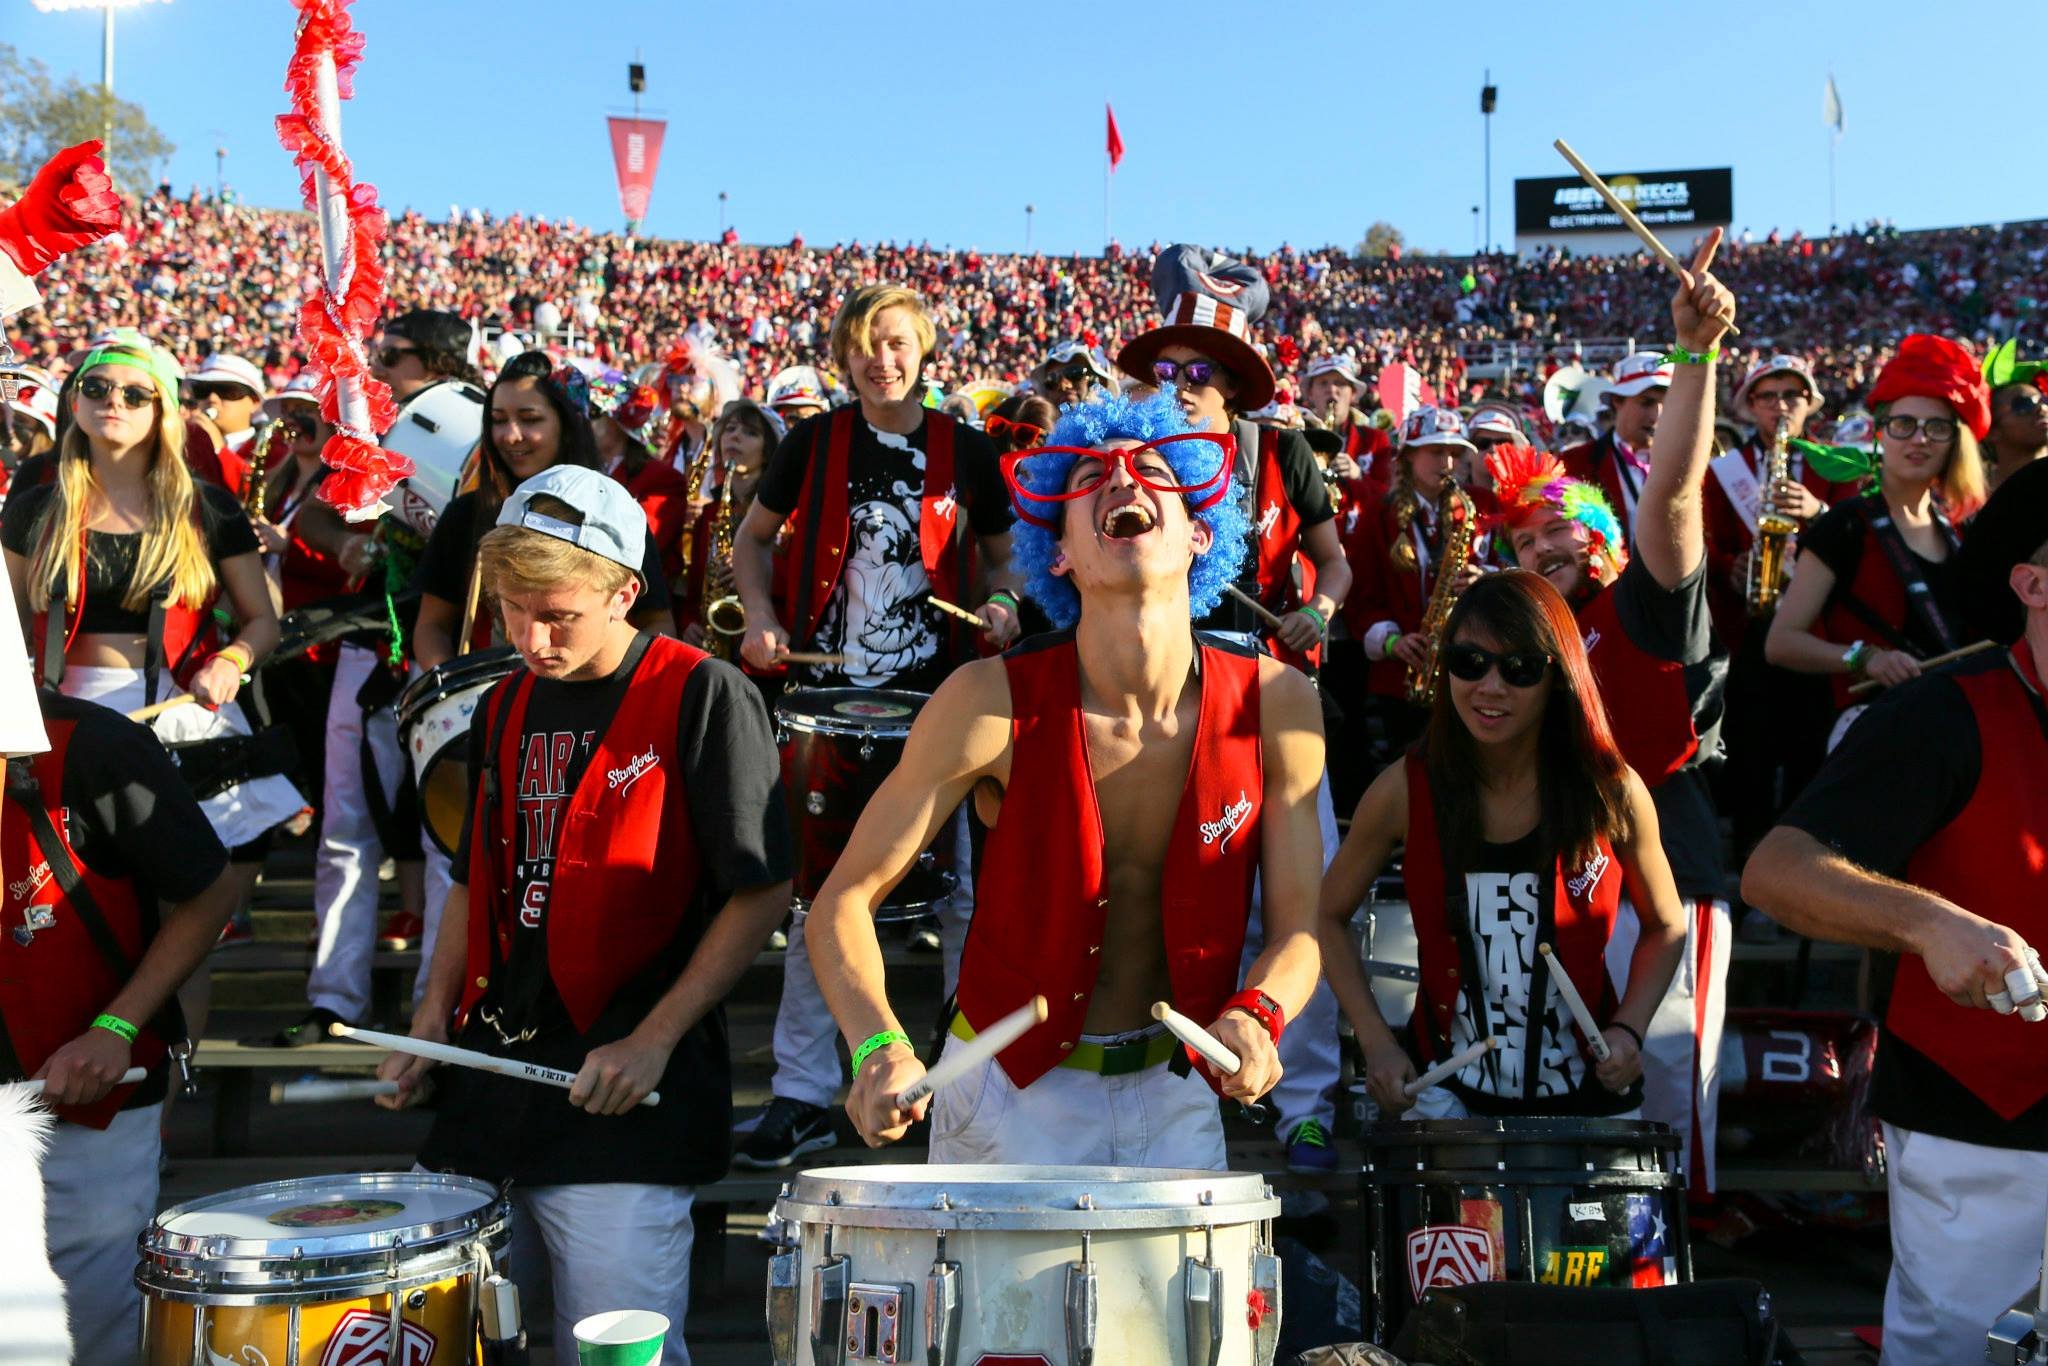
[
  {"x": 1680, "y": 356},
  {"x": 1322, "y": 622},
  {"x": 114, "y": 1024},
  {"x": 875, "y": 1041},
  {"x": 1002, "y": 595}
]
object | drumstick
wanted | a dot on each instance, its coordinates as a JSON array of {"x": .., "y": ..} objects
[
  {"x": 476, "y": 587},
  {"x": 1194, "y": 1036},
  {"x": 954, "y": 609},
  {"x": 956, "y": 1063},
  {"x": 1627, "y": 215},
  {"x": 1596, "y": 1042},
  {"x": 805, "y": 657},
  {"x": 1976, "y": 647},
  {"x": 467, "y": 1057},
  {"x": 1265, "y": 614},
  {"x": 1451, "y": 1066},
  {"x": 156, "y": 709},
  {"x": 310, "y": 1090},
  {"x": 128, "y": 1078}
]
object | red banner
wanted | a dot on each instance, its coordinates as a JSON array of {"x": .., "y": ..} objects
[
  {"x": 1115, "y": 146},
  {"x": 636, "y": 151}
]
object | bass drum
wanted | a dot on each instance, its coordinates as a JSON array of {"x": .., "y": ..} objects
[
  {"x": 320, "y": 1271},
  {"x": 433, "y": 726},
  {"x": 1569, "y": 1202},
  {"x": 437, "y": 429},
  {"x": 838, "y": 744}
]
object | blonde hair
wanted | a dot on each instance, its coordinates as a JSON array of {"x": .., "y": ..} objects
[
  {"x": 1963, "y": 486},
  {"x": 535, "y": 562},
  {"x": 853, "y": 326},
  {"x": 173, "y": 550}
]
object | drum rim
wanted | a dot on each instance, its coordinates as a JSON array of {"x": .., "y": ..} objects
[
  {"x": 458, "y": 666},
  {"x": 1475, "y": 1130},
  {"x": 188, "y": 1260},
  {"x": 809, "y": 723},
  {"x": 1175, "y": 1198}
]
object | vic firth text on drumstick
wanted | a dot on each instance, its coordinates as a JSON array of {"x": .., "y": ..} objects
[{"x": 466, "y": 1057}]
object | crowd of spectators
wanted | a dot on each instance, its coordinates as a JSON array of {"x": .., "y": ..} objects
[{"x": 200, "y": 274}]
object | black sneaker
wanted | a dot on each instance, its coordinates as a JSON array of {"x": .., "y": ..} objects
[
  {"x": 788, "y": 1129},
  {"x": 312, "y": 1029}
]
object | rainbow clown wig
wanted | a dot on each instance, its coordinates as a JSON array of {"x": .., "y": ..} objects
[
  {"x": 1532, "y": 483},
  {"x": 1035, "y": 549}
]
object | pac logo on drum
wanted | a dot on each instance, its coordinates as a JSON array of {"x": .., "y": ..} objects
[
  {"x": 360, "y": 1336},
  {"x": 1448, "y": 1254}
]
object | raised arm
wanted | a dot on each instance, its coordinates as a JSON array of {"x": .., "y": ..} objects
[{"x": 1670, "y": 534}]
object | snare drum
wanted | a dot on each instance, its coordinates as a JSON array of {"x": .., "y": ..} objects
[
  {"x": 1574, "y": 1202},
  {"x": 321, "y": 1271},
  {"x": 433, "y": 725},
  {"x": 1013, "y": 1263},
  {"x": 838, "y": 744}
]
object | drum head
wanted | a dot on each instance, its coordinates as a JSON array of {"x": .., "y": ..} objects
[
  {"x": 294, "y": 1213},
  {"x": 850, "y": 711}
]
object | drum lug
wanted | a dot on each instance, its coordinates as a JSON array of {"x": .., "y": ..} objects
[
  {"x": 1082, "y": 1304},
  {"x": 829, "y": 1284},
  {"x": 783, "y": 1273},
  {"x": 867, "y": 748},
  {"x": 1202, "y": 1304},
  {"x": 942, "y": 1315},
  {"x": 875, "y": 1319},
  {"x": 1266, "y": 1282}
]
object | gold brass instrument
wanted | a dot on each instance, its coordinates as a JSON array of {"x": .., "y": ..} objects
[
  {"x": 256, "y": 498},
  {"x": 1459, "y": 524},
  {"x": 723, "y": 615},
  {"x": 1767, "y": 558},
  {"x": 693, "y": 479}
]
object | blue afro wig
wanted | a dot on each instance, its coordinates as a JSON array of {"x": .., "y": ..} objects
[{"x": 1034, "y": 549}]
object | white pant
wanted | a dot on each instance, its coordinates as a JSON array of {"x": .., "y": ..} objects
[
  {"x": 1308, "y": 1048},
  {"x": 807, "y": 1067},
  {"x": 99, "y": 1192},
  {"x": 1073, "y": 1118},
  {"x": 1966, "y": 1243},
  {"x": 1682, "y": 1051},
  {"x": 345, "y": 869},
  {"x": 611, "y": 1246}
]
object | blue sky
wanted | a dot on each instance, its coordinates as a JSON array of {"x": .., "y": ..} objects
[{"x": 941, "y": 121}]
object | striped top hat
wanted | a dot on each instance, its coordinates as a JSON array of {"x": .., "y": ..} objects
[{"x": 1208, "y": 304}]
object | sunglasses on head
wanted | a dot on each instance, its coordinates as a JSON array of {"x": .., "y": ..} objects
[
  {"x": 1193, "y": 372},
  {"x": 1903, "y": 428},
  {"x": 1023, "y": 433},
  {"x": 1148, "y": 463},
  {"x": 1518, "y": 668},
  {"x": 99, "y": 390}
]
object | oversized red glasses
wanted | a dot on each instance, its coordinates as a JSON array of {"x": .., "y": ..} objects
[
  {"x": 1149, "y": 463},
  {"x": 1024, "y": 433}
]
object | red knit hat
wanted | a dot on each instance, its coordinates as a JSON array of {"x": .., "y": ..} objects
[{"x": 1934, "y": 367}]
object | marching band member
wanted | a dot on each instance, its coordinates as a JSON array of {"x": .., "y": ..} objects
[
  {"x": 620, "y": 412},
  {"x": 96, "y": 835},
  {"x": 625, "y": 857},
  {"x": 1874, "y": 592},
  {"x": 1520, "y": 824},
  {"x": 1094, "y": 893},
  {"x": 1649, "y": 637},
  {"x": 797, "y": 393},
  {"x": 1329, "y": 391},
  {"x": 1072, "y": 372},
  {"x": 741, "y": 441},
  {"x": 2019, "y": 412},
  {"x": 886, "y": 503},
  {"x": 225, "y": 394},
  {"x": 1921, "y": 838},
  {"x": 1297, "y": 567},
  {"x": 1618, "y": 460}
]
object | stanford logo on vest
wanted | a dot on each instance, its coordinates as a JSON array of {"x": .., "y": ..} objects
[
  {"x": 619, "y": 779},
  {"x": 1448, "y": 1254},
  {"x": 1588, "y": 877},
  {"x": 1226, "y": 825}
]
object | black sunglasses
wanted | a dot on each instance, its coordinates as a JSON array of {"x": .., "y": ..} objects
[
  {"x": 1196, "y": 372},
  {"x": 202, "y": 392},
  {"x": 98, "y": 390},
  {"x": 1077, "y": 373},
  {"x": 297, "y": 426},
  {"x": 1518, "y": 668},
  {"x": 389, "y": 356},
  {"x": 2023, "y": 404}
]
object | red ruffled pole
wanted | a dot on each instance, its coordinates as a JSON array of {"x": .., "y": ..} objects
[{"x": 335, "y": 320}]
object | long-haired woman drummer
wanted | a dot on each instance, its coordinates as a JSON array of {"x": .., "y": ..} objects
[
  {"x": 535, "y": 417},
  {"x": 1521, "y": 826}
]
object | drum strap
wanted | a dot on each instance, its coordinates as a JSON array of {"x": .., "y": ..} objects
[
  {"x": 153, "y": 643},
  {"x": 24, "y": 790},
  {"x": 55, "y": 628},
  {"x": 487, "y": 825}
]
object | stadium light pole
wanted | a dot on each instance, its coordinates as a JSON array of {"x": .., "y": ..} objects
[
  {"x": 1488, "y": 95},
  {"x": 1029, "y": 209},
  {"x": 721, "y": 214},
  {"x": 1475, "y": 229},
  {"x": 106, "y": 8}
]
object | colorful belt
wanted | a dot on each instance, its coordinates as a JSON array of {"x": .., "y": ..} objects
[{"x": 1107, "y": 1059}]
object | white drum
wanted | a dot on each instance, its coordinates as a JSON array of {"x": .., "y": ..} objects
[
  {"x": 437, "y": 429},
  {"x": 1070, "y": 1266},
  {"x": 434, "y": 713},
  {"x": 1387, "y": 944}
]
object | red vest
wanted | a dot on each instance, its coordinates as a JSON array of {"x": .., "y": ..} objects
[
  {"x": 189, "y": 637},
  {"x": 626, "y": 854},
  {"x": 1647, "y": 703},
  {"x": 1729, "y": 537},
  {"x": 1383, "y": 591},
  {"x": 1040, "y": 901},
  {"x": 53, "y": 986},
  {"x": 814, "y": 551},
  {"x": 1584, "y": 903},
  {"x": 1276, "y": 525},
  {"x": 1991, "y": 859},
  {"x": 1877, "y": 586}
]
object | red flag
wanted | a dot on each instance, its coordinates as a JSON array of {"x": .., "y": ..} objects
[
  {"x": 636, "y": 152},
  {"x": 1116, "y": 139}
]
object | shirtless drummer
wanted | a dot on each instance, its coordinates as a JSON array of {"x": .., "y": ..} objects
[{"x": 1094, "y": 892}]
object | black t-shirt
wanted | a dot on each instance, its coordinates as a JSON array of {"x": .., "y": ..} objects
[
  {"x": 878, "y": 616},
  {"x": 501, "y": 1129},
  {"x": 1905, "y": 770},
  {"x": 110, "y": 556},
  {"x": 444, "y": 565},
  {"x": 1676, "y": 625},
  {"x": 1840, "y": 537},
  {"x": 130, "y": 815}
]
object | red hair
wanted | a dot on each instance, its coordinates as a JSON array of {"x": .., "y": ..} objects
[{"x": 1582, "y": 780}]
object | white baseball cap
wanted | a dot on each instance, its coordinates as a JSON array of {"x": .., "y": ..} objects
[
  {"x": 1495, "y": 422},
  {"x": 1340, "y": 363},
  {"x": 225, "y": 368},
  {"x": 613, "y": 526},
  {"x": 1768, "y": 366},
  {"x": 34, "y": 396},
  {"x": 797, "y": 386},
  {"x": 1639, "y": 371},
  {"x": 1433, "y": 426},
  {"x": 303, "y": 389}
]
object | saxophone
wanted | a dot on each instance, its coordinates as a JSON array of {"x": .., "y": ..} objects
[
  {"x": 1766, "y": 575},
  {"x": 1459, "y": 522},
  {"x": 256, "y": 497},
  {"x": 724, "y": 618}
]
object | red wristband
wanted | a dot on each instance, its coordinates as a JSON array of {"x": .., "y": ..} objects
[{"x": 1260, "y": 1007}]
